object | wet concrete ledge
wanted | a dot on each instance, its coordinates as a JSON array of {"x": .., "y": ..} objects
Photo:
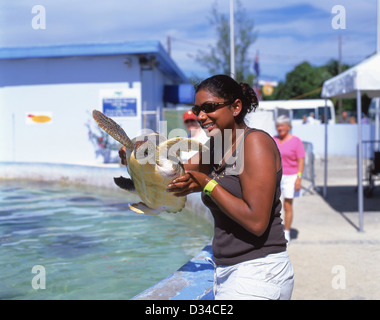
[
  {"x": 93, "y": 175},
  {"x": 193, "y": 281}
]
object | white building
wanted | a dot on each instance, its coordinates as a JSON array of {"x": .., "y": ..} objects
[{"x": 47, "y": 95}]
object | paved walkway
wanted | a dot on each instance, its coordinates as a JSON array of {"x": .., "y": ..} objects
[{"x": 331, "y": 259}]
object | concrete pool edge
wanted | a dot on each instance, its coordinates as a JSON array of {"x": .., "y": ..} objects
[
  {"x": 193, "y": 281},
  {"x": 97, "y": 176}
]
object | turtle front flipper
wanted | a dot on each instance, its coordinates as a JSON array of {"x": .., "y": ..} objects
[
  {"x": 113, "y": 129},
  {"x": 144, "y": 209}
]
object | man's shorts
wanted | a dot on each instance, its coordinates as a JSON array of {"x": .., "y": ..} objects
[{"x": 287, "y": 186}]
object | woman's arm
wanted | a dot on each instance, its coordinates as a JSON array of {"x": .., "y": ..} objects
[
  {"x": 300, "y": 164},
  {"x": 258, "y": 181}
]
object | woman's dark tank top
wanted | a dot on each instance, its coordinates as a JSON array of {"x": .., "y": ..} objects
[{"x": 232, "y": 243}]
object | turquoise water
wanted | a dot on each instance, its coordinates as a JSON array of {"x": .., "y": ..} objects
[{"x": 88, "y": 241}]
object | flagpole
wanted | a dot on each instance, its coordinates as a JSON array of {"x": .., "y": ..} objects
[
  {"x": 378, "y": 27},
  {"x": 232, "y": 39},
  {"x": 256, "y": 68}
]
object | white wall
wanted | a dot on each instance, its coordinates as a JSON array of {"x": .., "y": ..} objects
[
  {"x": 342, "y": 138},
  {"x": 65, "y": 138},
  {"x": 68, "y": 88}
]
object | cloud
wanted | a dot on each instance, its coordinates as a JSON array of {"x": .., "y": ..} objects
[{"x": 294, "y": 29}]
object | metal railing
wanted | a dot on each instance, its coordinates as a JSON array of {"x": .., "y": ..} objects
[
  {"x": 369, "y": 148},
  {"x": 309, "y": 170}
]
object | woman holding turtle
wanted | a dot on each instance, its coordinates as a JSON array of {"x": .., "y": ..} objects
[{"x": 249, "y": 247}]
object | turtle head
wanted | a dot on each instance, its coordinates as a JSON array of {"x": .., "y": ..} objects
[
  {"x": 113, "y": 129},
  {"x": 145, "y": 151},
  {"x": 145, "y": 147},
  {"x": 168, "y": 152}
]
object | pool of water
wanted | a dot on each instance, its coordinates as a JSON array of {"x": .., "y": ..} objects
[{"x": 89, "y": 243}]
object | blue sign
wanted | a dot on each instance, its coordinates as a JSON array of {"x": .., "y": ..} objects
[{"x": 120, "y": 107}]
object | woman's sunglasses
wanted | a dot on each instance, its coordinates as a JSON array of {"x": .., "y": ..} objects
[{"x": 208, "y": 107}]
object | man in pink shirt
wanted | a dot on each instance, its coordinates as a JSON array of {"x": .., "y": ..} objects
[{"x": 293, "y": 160}]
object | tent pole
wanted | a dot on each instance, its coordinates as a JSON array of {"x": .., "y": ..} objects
[
  {"x": 326, "y": 152},
  {"x": 232, "y": 39},
  {"x": 377, "y": 123},
  {"x": 378, "y": 28},
  {"x": 360, "y": 159}
]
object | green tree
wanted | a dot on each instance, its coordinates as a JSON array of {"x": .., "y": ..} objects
[
  {"x": 217, "y": 58},
  {"x": 303, "y": 80},
  {"x": 333, "y": 67}
]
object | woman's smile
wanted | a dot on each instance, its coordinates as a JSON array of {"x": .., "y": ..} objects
[{"x": 209, "y": 126}]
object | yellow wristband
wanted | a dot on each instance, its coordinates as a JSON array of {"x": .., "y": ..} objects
[
  {"x": 299, "y": 174},
  {"x": 209, "y": 187}
]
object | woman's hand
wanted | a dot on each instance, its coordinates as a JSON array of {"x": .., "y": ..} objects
[
  {"x": 123, "y": 155},
  {"x": 192, "y": 181},
  {"x": 297, "y": 184},
  {"x": 301, "y": 165}
]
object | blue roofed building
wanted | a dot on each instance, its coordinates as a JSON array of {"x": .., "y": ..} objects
[{"x": 47, "y": 95}]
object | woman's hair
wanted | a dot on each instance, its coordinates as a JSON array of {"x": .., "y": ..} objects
[
  {"x": 223, "y": 86},
  {"x": 283, "y": 120}
]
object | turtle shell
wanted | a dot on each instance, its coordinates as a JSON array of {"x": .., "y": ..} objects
[{"x": 151, "y": 182}]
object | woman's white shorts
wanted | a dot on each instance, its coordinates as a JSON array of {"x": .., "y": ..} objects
[
  {"x": 268, "y": 278},
  {"x": 287, "y": 186}
]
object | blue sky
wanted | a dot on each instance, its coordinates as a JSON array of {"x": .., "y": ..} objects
[{"x": 289, "y": 31}]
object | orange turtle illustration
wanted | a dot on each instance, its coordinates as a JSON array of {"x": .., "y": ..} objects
[{"x": 39, "y": 118}]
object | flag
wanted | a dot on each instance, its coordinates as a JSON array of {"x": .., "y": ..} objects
[
  {"x": 256, "y": 65},
  {"x": 258, "y": 93}
]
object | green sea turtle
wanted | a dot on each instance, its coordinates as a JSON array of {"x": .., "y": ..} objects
[{"x": 152, "y": 162}]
